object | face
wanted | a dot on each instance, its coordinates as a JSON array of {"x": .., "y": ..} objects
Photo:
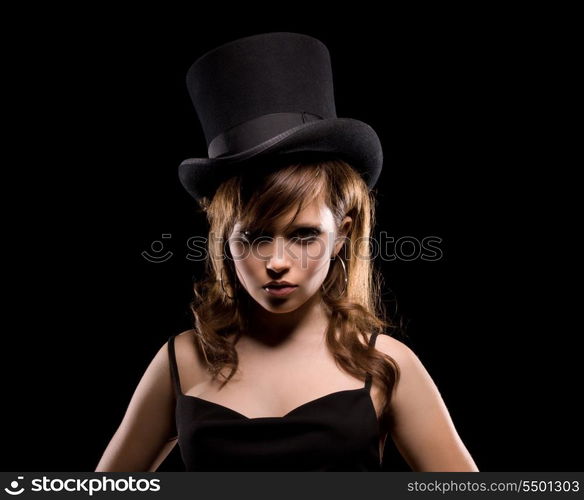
[{"x": 300, "y": 255}]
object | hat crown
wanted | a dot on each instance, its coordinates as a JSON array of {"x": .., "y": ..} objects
[{"x": 261, "y": 75}]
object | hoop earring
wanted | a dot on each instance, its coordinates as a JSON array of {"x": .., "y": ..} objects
[
  {"x": 346, "y": 278},
  {"x": 222, "y": 287}
]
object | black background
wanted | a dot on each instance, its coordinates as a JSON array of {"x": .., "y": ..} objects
[{"x": 102, "y": 121}]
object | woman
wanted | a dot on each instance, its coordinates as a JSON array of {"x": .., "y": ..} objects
[{"x": 289, "y": 364}]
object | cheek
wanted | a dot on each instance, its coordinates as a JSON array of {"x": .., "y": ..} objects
[
  {"x": 247, "y": 268},
  {"x": 315, "y": 265},
  {"x": 238, "y": 249},
  {"x": 248, "y": 264}
]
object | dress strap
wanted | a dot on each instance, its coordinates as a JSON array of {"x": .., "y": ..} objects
[
  {"x": 368, "y": 379},
  {"x": 173, "y": 366}
]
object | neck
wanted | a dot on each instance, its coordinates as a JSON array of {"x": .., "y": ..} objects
[{"x": 307, "y": 324}]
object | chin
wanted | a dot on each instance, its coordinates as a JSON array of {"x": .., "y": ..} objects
[
  {"x": 280, "y": 310},
  {"x": 276, "y": 307}
]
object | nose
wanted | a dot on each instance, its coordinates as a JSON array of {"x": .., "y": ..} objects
[{"x": 278, "y": 259}]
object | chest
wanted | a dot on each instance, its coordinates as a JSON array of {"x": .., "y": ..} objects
[{"x": 274, "y": 384}]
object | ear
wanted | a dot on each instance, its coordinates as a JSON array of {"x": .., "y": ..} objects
[{"x": 342, "y": 233}]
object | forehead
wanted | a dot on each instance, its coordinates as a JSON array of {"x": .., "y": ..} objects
[{"x": 315, "y": 213}]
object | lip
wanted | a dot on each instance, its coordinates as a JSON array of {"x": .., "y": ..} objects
[
  {"x": 274, "y": 282},
  {"x": 280, "y": 291}
]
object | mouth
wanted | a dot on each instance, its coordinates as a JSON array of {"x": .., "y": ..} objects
[{"x": 280, "y": 290}]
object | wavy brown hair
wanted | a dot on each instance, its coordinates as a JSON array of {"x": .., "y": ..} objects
[{"x": 257, "y": 200}]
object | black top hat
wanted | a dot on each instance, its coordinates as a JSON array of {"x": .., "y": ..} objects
[{"x": 269, "y": 96}]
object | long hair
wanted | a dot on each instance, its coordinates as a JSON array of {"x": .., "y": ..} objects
[{"x": 257, "y": 200}]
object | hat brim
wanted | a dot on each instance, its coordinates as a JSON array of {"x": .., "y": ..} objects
[{"x": 344, "y": 138}]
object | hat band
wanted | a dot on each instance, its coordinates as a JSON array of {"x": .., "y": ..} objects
[{"x": 253, "y": 132}]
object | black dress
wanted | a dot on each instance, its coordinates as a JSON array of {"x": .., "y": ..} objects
[{"x": 336, "y": 432}]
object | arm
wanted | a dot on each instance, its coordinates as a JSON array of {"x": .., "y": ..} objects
[
  {"x": 147, "y": 432},
  {"x": 423, "y": 430}
]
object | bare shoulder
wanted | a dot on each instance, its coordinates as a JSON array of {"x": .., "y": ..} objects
[
  {"x": 412, "y": 372},
  {"x": 185, "y": 343},
  {"x": 161, "y": 359},
  {"x": 148, "y": 431},
  {"x": 395, "y": 349},
  {"x": 422, "y": 427},
  {"x": 184, "y": 338},
  {"x": 189, "y": 358},
  {"x": 415, "y": 387}
]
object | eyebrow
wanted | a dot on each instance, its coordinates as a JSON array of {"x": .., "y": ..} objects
[
  {"x": 307, "y": 225},
  {"x": 298, "y": 225}
]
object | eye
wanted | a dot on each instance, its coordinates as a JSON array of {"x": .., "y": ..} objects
[
  {"x": 305, "y": 235},
  {"x": 246, "y": 236},
  {"x": 302, "y": 235},
  {"x": 250, "y": 236}
]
